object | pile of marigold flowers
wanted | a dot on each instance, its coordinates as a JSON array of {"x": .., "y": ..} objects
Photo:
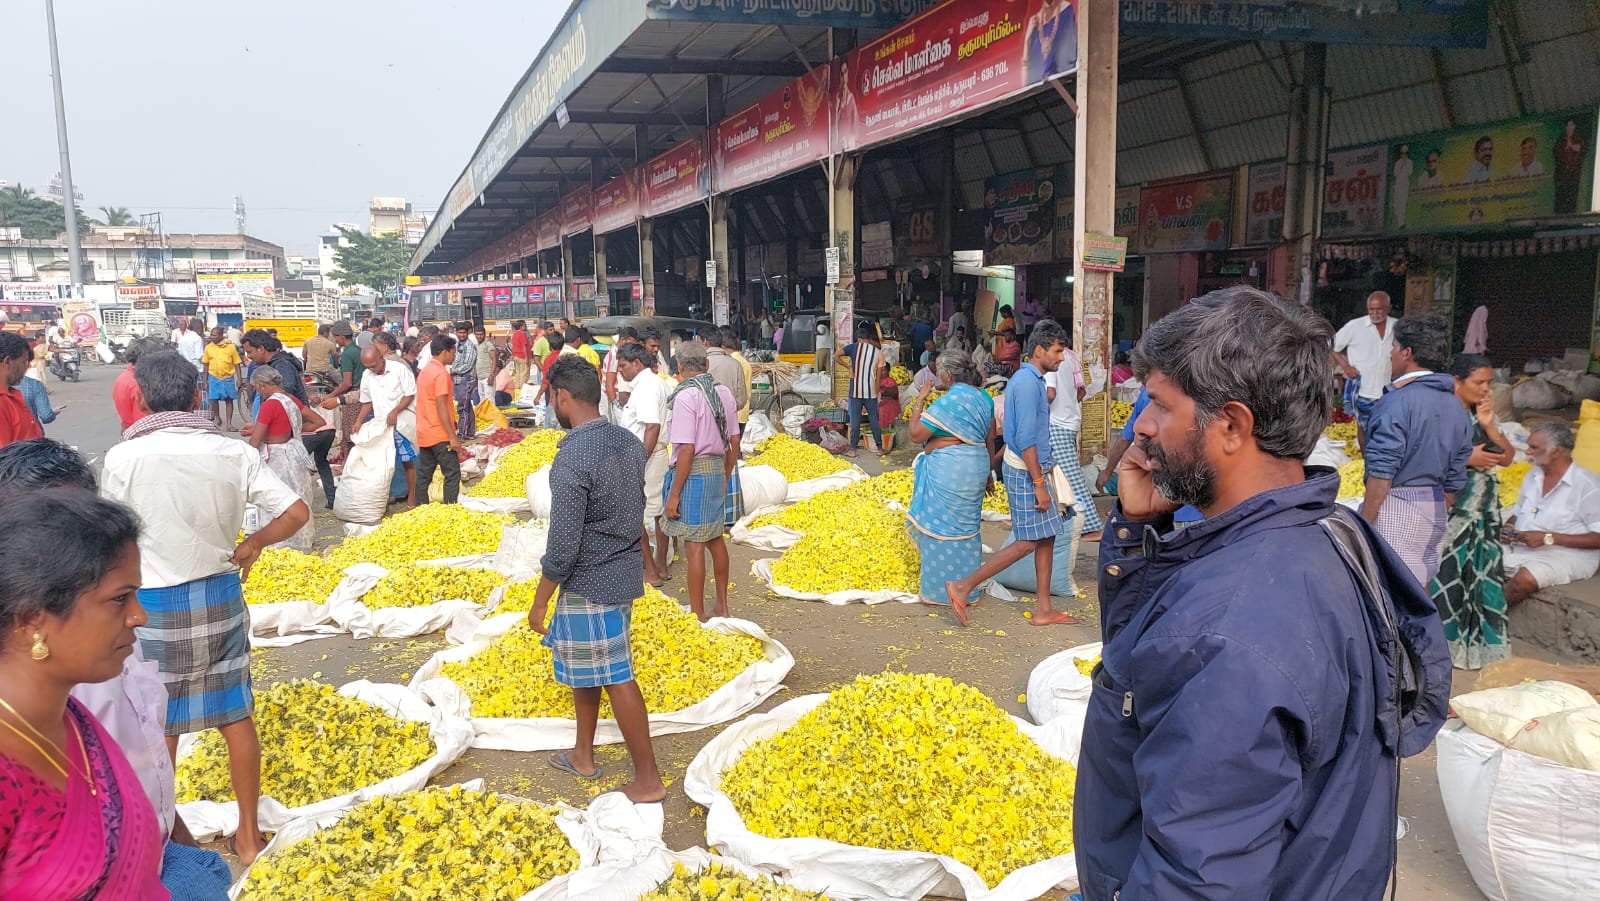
[
  {"x": 678, "y": 662},
  {"x": 315, "y": 744},
  {"x": 901, "y": 375},
  {"x": 430, "y": 532},
  {"x": 1353, "y": 479},
  {"x": 719, "y": 883},
  {"x": 1086, "y": 665},
  {"x": 1511, "y": 482},
  {"x": 527, "y": 457},
  {"x": 1120, "y": 411},
  {"x": 868, "y": 552},
  {"x": 282, "y": 574},
  {"x": 420, "y": 584},
  {"x": 1346, "y": 432},
  {"x": 910, "y": 762},
  {"x": 797, "y": 460},
  {"x": 432, "y": 844}
]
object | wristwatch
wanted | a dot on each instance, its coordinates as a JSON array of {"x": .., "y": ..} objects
[{"x": 1549, "y": 539}]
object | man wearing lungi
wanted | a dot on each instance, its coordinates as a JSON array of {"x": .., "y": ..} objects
[
  {"x": 464, "y": 377},
  {"x": 1418, "y": 442},
  {"x": 190, "y": 484},
  {"x": 1035, "y": 519},
  {"x": 595, "y": 556},
  {"x": 704, "y": 431}
]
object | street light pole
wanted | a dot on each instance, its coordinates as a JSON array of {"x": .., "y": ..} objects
[{"x": 74, "y": 249}]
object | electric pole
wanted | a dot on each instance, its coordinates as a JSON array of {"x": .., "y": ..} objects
[{"x": 70, "y": 201}]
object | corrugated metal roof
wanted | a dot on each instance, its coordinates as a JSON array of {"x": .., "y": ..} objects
[
  {"x": 1563, "y": 75},
  {"x": 1549, "y": 19}
]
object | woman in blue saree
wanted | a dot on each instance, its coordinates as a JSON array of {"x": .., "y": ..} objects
[{"x": 952, "y": 474}]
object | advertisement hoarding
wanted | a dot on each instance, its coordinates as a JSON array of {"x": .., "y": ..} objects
[
  {"x": 1424, "y": 23},
  {"x": 1263, "y": 209},
  {"x": 1186, "y": 216},
  {"x": 1020, "y": 218},
  {"x": 1353, "y": 192},
  {"x": 616, "y": 203},
  {"x": 577, "y": 212},
  {"x": 784, "y": 131},
  {"x": 224, "y": 283},
  {"x": 676, "y": 179}
]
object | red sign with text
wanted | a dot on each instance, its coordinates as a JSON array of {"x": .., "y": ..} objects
[
  {"x": 676, "y": 179},
  {"x": 616, "y": 203},
  {"x": 549, "y": 228},
  {"x": 576, "y": 212},
  {"x": 786, "y": 130}
]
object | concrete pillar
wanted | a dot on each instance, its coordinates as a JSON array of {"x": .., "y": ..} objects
[
  {"x": 947, "y": 218},
  {"x": 647, "y": 268},
  {"x": 569, "y": 287},
  {"x": 842, "y": 237},
  {"x": 602, "y": 294},
  {"x": 718, "y": 254},
  {"x": 1307, "y": 148},
  {"x": 1094, "y": 201}
]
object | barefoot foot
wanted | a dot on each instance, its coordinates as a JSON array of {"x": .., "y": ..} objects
[{"x": 641, "y": 793}]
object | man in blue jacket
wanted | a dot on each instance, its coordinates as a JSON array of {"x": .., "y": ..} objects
[
  {"x": 1418, "y": 440},
  {"x": 1254, "y": 695}
]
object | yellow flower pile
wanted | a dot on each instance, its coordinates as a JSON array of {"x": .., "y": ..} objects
[
  {"x": 526, "y": 457},
  {"x": 935, "y": 394},
  {"x": 869, "y": 551},
  {"x": 1353, "y": 478},
  {"x": 519, "y": 597},
  {"x": 438, "y": 843},
  {"x": 677, "y": 662},
  {"x": 997, "y": 501},
  {"x": 281, "y": 574},
  {"x": 910, "y": 762},
  {"x": 1511, "y": 482},
  {"x": 429, "y": 532},
  {"x": 797, "y": 460},
  {"x": 719, "y": 883},
  {"x": 420, "y": 584},
  {"x": 901, "y": 375},
  {"x": 315, "y": 744},
  {"x": 1086, "y": 665},
  {"x": 1346, "y": 432},
  {"x": 1120, "y": 411}
]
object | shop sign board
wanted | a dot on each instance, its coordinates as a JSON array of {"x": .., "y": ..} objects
[
  {"x": 32, "y": 293},
  {"x": 918, "y": 228},
  {"x": 953, "y": 59},
  {"x": 616, "y": 203},
  {"x": 1127, "y": 220},
  {"x": 1422, "y": 23},
  {"x": 224, "y": 283},
  {"x": 1021, "y": 210},
  {"x": 1186, "y": 216},
  {"x": 786, "y": 130},
  {"x": 140, "y": 297},
  {"x": 1108, "y": 253},
  {"x": 877, "y": 245},
  {"x": 1066, "y": 211},
  {"x": 1264, "y": 192},
  {"x": 1353, "y": 191},
  {"x": 677, "y": 178},
  {"x": 577, "y": 212},
  {"x": 828, "y": 13},
  {"x": 1491, "y": 174},
  {"x": 549, "y": 229}
]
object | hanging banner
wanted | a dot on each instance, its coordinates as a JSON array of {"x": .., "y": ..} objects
[
  {"x": 1263, "y": 212},
  {"x": 549, "y": 229},
  {"x": 1491, "y": 174},
  {"x": 676, "y": 179},
  {"x": 577, "y": 212},
  {"x": 1353, "y": 191},
  {"x": 83, "y": 320},
  {"x": 616, "y": 203},
  {"x": 825, "y": 13},
  {"x": 1021, "y": 212},
  {"x": 1186, "y": 216},
  {"x": 1423, "y": 23},
  {"x": 952, "y": 60},
  {"x": 224, "y": 283},
  {"x": 786, "y": 130}
]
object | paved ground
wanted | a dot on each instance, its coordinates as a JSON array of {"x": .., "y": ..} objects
[{"x": 831, "y": 644}]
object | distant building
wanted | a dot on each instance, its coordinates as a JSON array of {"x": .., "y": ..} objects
[
  {"x": 394, "y": 216},
  {"x": 111, "y": 255},
  {"x": 327, "y": 246}
]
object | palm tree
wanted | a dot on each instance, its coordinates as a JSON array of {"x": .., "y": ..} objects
[
  {"x": 15, "y": 193},
  {"x": 117, "y": 216}
]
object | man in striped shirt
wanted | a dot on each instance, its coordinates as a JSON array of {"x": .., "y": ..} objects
[{"x": 867, "y": 369}]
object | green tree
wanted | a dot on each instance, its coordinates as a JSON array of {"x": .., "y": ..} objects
[
  {"x": 117, "y": 216},
  {"x": 379, "y": 263},
  {"x": 39, "y": 218}
]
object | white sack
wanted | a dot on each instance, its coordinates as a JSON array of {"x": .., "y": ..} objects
[
  {"x": 521, "y": 549},
  {"x": 774, "y": 538},
  {"x": 363, "y": 495},
  {"x": 757, "y": 430},
  {"x": 494, "y": 504},
  {"x": 808, "y": 488},
  {"x": 1326, "y": 453},
  {"x": 1570, "y": 738},
  {"x": 353, "y": 616},
  {"x": 795, "y": 419},
  {"x": 814, "y": 383},
  {"x": 1539, "y": 394},
  {"x": 451, "y": 736},
  {"x": 289, "y": 623},
  {"x": 537, "y": 488},
  {"x": 819, "y": 865},
  {"x": 630, "y": 881},
  {"x": 763, "y": 486},
  {"x": 1056, "y": 688},
  {"x": 740, "y": 695},
  {"x": 1525, "y": 826},
  {"x": 762, "y": 569},
  {"x": 1500, "y": 713}
]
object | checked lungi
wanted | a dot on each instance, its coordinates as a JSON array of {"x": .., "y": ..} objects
[
  {"x": 590, "y": 644},
  {"x": 1064, "y": 448},
  {"x": 701, "y": 502},
  {"x": 1027, "y": 523},
  {"x": 199, "y": 637},
  {"x": 733, "y": 506},
  {"x": 1413, "y": 521}
]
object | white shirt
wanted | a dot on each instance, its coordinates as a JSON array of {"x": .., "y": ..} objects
[
  {"x": 385, "y": 392},
  {"x": 1367, "y": 352},
  {"x": 1064, "y": 410},
  {"x": 924, "y": 376},
  {"x": 1571, "y": 508},
  {"x": 959, "y": 319},
  {"x": 193, "y": 349},
  {"x": 647, "y": 406},
  {"x": 190, "y": 489},
  {"x": 132, "y": 707},
  {"x": 1531, "y": 170}
]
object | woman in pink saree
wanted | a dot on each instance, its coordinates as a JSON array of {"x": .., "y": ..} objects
[{"x": 74, "y": 821}]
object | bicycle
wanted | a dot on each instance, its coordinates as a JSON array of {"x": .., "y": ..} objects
[{"x": 780, "y": 396}]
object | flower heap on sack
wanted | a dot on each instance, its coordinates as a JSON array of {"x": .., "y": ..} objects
[
  {"x": 420, "y": 584},
  {"x": 910, "y": 762},
  {"x": 282, "y": 574},
  {"x": 1353, "y": 479},
  {"x": 900, "y": 374},
  {"x": 502, "y": 438},
  {"x": 863, "y": 546},
  {"x": 1511, "y": 482},
  {"x": 1120, "y": 411},
  {"x": 510, "y": 475},
  {"x": 430, "y": 532},
  {"x": 719, "y": 883},
  {"x": 678, "y": 662},
  {"x": 315, "y": 744},
  {"x": 1345, "y": 432},
  {"x": 431, "y": 844},
  {"x": 797, "y": 460},
  {"x": 935, "y": 394},
  {"x": 1086, "y": 665}
]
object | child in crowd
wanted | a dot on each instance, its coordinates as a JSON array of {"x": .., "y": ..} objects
[{"x": 888, "y": 411}]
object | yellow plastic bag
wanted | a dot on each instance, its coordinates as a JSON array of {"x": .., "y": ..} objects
[{"x": 489, "y": 414}]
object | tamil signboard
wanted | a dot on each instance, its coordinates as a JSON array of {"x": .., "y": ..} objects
[
  {"x": 32, "y": 293},
  {"x": 1492, "y": 174},
  {"x": 224, "y": 283},
  {"x": 1426, "y": 23},
  {"x": 616, "y": 203},
  {"x": 1108, "y": 253},
  {"x": 1127, "y": 203},
  {"x": 548, "y": 228},
  {"x": 577, "y": 212},
  {"x": 826, "y": 13},
  {"x": 1020, "y": 218},
  {"x": 676, "y": 179},
  {"x": 140, "y": 297},
  {"x": 1263, "y": 210},
  {"x": 1186, "y": 215},
  {"x": 784, "y": 131},
  {"x": 1353, "y": 190}
]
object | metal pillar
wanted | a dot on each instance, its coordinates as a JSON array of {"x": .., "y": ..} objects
[
  {"x": 1307, "y": 152},
  {"x": 842, "y": 240},
  {"x": 74, "y": 247},
  {"x": 1094, "y": 201}
]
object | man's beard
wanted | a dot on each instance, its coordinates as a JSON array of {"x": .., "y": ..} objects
[
  {"x": 1183, "y": 477},
  {"x": 565, "y": 423}
]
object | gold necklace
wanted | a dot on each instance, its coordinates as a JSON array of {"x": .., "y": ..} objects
[{"x": 82, "y": 748}]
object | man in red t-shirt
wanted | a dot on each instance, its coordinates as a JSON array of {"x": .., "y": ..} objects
[
  {"x": 557, "y": 341},
  {"x": 438, "y": 446},
  {"x": 521, "y": 355},
  {"x": 17, "y": 422}
]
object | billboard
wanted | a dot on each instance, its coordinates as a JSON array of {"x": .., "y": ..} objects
[
  {"x": 548, "y": 227},
  {"x": 1353, "y": 190},
  {"x": 32, "y": 293},
  {"x": 831, "y": 13},
  {"x": 224, "y": 283},
  {"x": 1021, "y": 214},
  {"x": 1491, "y": 174},
  {"x": 1186, "y": 215},
  {"x": 616, "y": 203},
  {"x": 1423, "y": 23},
  {"x": 676, "y": 179},
  {"x": 1263, "y": 203},
  {"x": 577, "y": 212},
  {"x": 784, "y": 131},
  {"x": 140, "y": 297}
]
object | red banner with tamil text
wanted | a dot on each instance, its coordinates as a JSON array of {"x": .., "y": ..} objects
[
  {"x": 576, "y": 211},
  {"x": 676, "y": 179},
  {"x": 616, "y": 203},
  {"x": 786, "y": 130}
]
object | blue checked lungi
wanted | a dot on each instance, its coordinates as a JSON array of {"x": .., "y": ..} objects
[
  {"x": 1028, "y": 524},
  {"x": 221, "y": 389},
  {"x": 701, "y": 502},
  {"x": 194, "y": 874},
  {"x": 1413, "y": 521},
  {"x": 590, "y": 643},
  {"x": 1064, "y": 448},
  {"x": 403, "y": 451},
  {"x": 733, "y": 506},
  {"x": 199, "y": 637}
]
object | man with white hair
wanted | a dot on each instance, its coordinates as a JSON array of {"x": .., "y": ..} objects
[{"x": 1552, "y": 534}]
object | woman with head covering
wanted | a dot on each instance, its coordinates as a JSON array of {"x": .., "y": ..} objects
[{"x": 276, "y": 433}]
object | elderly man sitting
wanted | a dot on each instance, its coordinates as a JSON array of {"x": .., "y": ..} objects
[{"x": 1552, "y": 535}]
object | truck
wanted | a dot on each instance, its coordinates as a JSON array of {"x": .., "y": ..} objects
[{"x": 295, "y": 314}]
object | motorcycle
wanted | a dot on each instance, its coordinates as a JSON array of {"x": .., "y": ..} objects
[{"x": 65, "y": 361}]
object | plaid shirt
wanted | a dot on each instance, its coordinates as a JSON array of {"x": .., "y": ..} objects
[{"x": 597, "y": 514}]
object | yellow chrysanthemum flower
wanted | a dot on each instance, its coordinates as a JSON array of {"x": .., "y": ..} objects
[
  {"x": 430, "y": 532},
  {"x": 419, "y": 584},
  {"x": 525, "y": 458},
  {"x": 719, "y": 883},
  {"x": 281, "y": 574},
  {"x": 797, "y": 460}
]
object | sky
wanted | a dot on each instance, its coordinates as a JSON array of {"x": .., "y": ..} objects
[{"x": 306, "y": 108}]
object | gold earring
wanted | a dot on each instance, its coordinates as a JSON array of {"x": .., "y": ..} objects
[{"x": 40, "y": 649}]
